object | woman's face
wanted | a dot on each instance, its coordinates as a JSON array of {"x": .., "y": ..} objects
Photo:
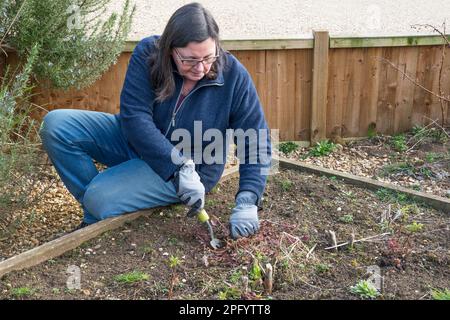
[{"x": 193, "y": 70}]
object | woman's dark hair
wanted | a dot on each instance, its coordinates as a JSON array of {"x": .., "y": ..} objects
[{"x": 190, "y": 23}]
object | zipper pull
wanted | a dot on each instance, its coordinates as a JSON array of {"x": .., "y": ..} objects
[{"x": 173, "y": 121}]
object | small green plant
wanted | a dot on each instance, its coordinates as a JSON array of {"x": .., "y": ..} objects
[
  {"x": 178, "y": 208},
  {"x": 56, "y": 291},
  {"x": 333, "y": 178},
  {"x": 372, "y": 131},
  {"x": 229, "y": 293},
  {"x": 284, "y": 263},
  {"x": 386, "y": 226},
  {"x": 173, "y": 241},
  {"x": 174, "y": 262},
  {"x": 414, "y": 227},
  {"x": 399, "y": 143},
  {"x": 409, "y": 209},
  {"x": 322, "y": 148},
  {"x": 387, "y": 195},
  {"x": 22, "y": 292},
  {"x": 147, "y": 249},
  {"x": 235, "y": 278},
  {"x": 384, "y": 194},
  {"x": 440, "y": 294},
  {"x": 211, "y": 202},
  {"x": 431, "y": 157},
  {"x": 418, "y": 131},
  {"x": 438, "y": 135},
  {"x": 349, "y": 194},
  {"x": 322, "y": 268},
  {"x": 348, "y": 218},
  {"x": 255, "y": 271},
  {"x": 365, "y": 289},
  {"x": 426, "y": 172},
  {"x": 70, "y": 291},
  {"x": 132, "y": 277},
  {"x": 288, "y": 147},
  {"x": 397, "y": 168},
  {"x": 402, "y": 197},
  {"x": 286, "y": 185}
]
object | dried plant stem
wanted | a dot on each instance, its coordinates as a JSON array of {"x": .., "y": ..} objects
[
  {"x": 268, "y": 279},
  {"x": 360, "y": 240},
  {"x": 333, "y": 239}
]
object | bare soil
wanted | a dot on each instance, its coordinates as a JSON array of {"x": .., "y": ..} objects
[{"x": 175, "y": 261}]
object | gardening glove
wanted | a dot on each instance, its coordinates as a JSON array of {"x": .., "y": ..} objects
[
  {"x": 189, "y": 188},
  {"x": 244, "y": 217}
]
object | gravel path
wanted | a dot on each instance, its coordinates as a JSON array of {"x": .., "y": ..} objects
[{"x": 270, "y": 19}]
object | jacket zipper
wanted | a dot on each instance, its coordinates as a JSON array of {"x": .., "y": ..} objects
[{"x": 175, "y": 111}]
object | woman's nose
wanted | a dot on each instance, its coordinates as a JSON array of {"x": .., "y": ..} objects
[{"x": 199, "y": 67}]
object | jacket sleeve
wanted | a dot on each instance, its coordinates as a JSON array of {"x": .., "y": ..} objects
[
  {"x": 247, "y": 119},
  {"x": 136, "y": 114}
]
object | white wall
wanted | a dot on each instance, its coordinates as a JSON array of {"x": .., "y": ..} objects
[{"x": 272, "y": 19}]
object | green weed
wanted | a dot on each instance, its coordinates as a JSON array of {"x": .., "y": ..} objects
[
  {"x": 440, "y": 294},
  {"x": 288, "y": 147},
  {"x": 132, "y": 277},
  {"x": 365, "y": 290}
]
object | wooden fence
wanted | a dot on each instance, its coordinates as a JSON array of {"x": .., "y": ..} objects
[{"x": 312, "y": 89}]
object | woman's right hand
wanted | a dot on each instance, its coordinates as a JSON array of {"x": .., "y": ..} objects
[{"x": 189, "y": 188}]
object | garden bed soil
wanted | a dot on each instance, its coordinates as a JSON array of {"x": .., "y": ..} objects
[{"x": 171, "y": 258}]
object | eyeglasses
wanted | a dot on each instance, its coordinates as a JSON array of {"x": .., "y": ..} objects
[{"x": 194, "y": 62}]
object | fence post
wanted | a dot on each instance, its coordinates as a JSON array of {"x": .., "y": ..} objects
[{"x": 319, "y": 86}]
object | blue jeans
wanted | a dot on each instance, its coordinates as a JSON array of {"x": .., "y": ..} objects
[{"x": 73, "y": 138}]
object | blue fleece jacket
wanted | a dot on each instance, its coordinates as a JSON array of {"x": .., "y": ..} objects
[{"x": 228, "y": 102}]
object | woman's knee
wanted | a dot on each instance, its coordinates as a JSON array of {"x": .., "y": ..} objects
[
  {"x": 104, "y": 198},
  {"x": 53, "y": 122},
  {"x": 99, "y": 202}
]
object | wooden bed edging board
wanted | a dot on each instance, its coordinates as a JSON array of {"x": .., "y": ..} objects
[
  {"x": 74, "y": 239},
  {"x": 436, "y": 202}
]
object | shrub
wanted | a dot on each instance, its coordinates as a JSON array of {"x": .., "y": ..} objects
[
  {"x": 78, "y": 41},
  {"x": 19, "y": 144}
]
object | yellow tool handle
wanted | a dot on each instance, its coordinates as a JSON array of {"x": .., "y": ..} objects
[{"x": 202, "y": 216}]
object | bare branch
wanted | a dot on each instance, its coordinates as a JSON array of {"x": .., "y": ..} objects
[
  {"x": 429, "y": 26},
  {"x": 412, "y": 80}
]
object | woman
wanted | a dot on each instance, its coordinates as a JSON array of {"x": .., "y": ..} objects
[{"x": 174, "y": 82}]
